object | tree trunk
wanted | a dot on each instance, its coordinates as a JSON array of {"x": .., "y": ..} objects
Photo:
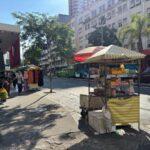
[{"x": 140, "y": 44}]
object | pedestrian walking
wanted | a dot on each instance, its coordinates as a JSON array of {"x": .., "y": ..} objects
[
  {"x": 19, "y": 82},
  {"x": 25, "y": 76},
  {"x": 14, "y": 80}
]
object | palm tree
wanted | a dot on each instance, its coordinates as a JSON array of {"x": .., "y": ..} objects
[{"x": 138, "y": 28}]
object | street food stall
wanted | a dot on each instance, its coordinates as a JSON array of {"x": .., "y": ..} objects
[
  {"x": 114, "y": 101},
  {"x": 33, "y": 76}
]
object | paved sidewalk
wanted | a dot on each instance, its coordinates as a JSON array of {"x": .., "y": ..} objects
[
  {"x": 38, "y": 121},
  {"x": 34, "y": 122}
]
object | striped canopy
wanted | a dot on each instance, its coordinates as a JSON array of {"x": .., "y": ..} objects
[
  {"x": 84, "y": 54},
  {"x": 112, "y": 53}
]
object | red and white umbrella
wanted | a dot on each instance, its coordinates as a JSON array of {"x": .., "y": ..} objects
[{"x": 84, "y": 54}]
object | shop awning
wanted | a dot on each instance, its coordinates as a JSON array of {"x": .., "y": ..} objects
[
  {"x": 114, "y": 52},
  {"x": 84, "y": 54},
  {"x": 146, "y": 51}
]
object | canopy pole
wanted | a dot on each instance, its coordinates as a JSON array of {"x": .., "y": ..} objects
[
  {"x": 139, "y": 89},
  {"x": 139, "y": 76},
  {"x": 89, "y": 84},
  {"x": 105, "y": 82}
]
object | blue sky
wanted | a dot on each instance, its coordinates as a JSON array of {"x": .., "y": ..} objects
[{"x": 52, "y": 7}]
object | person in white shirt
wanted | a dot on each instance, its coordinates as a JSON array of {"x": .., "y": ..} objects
[{"x": 19, "y": 82}]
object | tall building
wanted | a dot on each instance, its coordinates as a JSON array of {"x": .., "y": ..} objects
[
  {"x": 63, "y": 18},
  {"x": 73, "y": 7},
  {"x": 114, "y": 13}
]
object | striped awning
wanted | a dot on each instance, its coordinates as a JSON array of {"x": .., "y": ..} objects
[
  {"x": 114, "y": 52},
  {"x": 84, "y": 54}
]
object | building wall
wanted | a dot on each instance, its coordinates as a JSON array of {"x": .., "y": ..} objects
[
  {"x": 117, "y": 13},
  {"x": 73, "y": 7},
  {"x": 63, "y": 18}
]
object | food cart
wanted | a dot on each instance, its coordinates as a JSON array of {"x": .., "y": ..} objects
[
  {"x": 33, "y": 77},
  {"x": 115, "y": 88}
]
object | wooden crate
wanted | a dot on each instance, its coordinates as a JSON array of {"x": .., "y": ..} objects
[{"x": 124, "y": 111}]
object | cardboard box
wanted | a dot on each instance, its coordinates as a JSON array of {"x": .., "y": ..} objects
[
  {"x": 96, "y": 121},
  {"x": 91, "y": 102}
]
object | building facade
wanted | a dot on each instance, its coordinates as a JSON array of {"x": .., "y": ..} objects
[
  {"x": 113, "y": 13},
  {"x": 10, "y": 44},
  {"x": 73, "y": 7}
]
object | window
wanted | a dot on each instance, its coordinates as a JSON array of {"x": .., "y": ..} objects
[
  {"x": 137, "y": 2},
  {"x": 109, "y": 16},
  {"x": 80, "y": 20},
  {"x": 148, "y": 12},
  {"x": 119, "y": 23},
  {"x": 100, "y": 9},
  {"x": 125, "y": 8},
  {"x": 132, "y": 3},
  {"x": 109, "y": 3},
  {"x": 113, "y": 13},
  {"x": 148, "y": 42},
  {"x": 102, "y": 20},
  {"x": 87, "y": 26},
  {"x": 113, "y": 25},
  {"x": 103, "y": 8},
  {"x": 94, "y": 13},
  {"x": 119, "y": 10},
  {"x": 80, "y": 30},
  {"x": 125, "y": 21},
  {"x": 133, "y": 46}
]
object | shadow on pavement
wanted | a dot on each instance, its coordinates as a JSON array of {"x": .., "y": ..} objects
[
  {"x": 14, "y": 94},
  {"x": 21, "y": 128},
  {"x": 36, "y": 101},
  {"x": 132, "y": 140}
]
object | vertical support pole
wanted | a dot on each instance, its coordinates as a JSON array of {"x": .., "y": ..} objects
[
  {"x": 105, "y": 80},
  {"x": 139, "y": 78},
  {"x": 89, "y": 84}
]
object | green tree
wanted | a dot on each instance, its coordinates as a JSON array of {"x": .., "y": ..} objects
[
  {"x": 103, "y": 36},
  {"x": 32, "y": 55},
  {"x": 44, "y": 32},
  {"x": 135, "y": 30},
  {"x": 41, "y": 31}
]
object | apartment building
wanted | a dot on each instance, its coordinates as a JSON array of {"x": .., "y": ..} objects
[
  {"x": 63, "y": 18},
  {"x": 112, "y": 13},
  {"x": 73, "y": 7}
]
